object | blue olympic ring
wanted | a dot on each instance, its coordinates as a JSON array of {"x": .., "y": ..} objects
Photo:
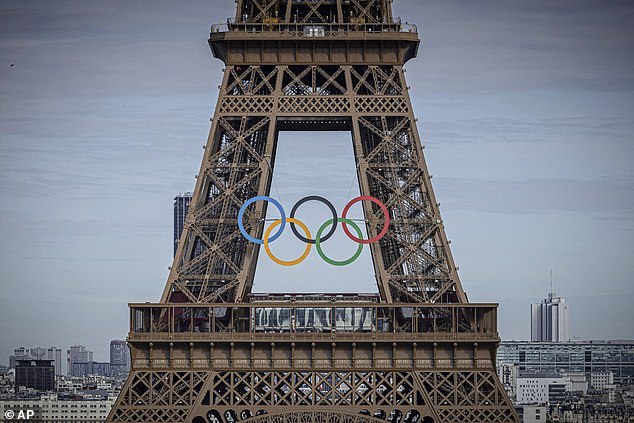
[{"x": 253, "y": 200}]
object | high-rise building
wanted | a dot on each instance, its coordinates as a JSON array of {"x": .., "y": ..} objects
[
  {"x": 550, "y": 320},
  {"x": 55, "y": 354},
  {"x": 52, "y": 353},
  {"x": 119, "y": 357},
  {"x": 38, "y": 353},
  {"x": 181, "y": 207},
  {"x": 19, "y": 353},
  {"x": 35, "y": 374},
  {"x": 77, "y": 354}
]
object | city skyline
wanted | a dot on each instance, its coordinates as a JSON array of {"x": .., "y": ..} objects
[
  {"x": 64, "y": 356},
  {"x": 526, "y": 113}
]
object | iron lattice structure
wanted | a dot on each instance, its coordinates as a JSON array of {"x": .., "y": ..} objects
[{"x": 418, "y": 352}]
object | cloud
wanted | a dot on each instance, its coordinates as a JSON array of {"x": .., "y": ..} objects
[
  {"x": 502, "y": 45},
  {"x": 602, "y": 197},
  {"x": 504, "y": 129}
]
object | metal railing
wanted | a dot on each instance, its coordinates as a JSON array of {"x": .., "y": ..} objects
[
  {"x": 318, "y": 320},
  {"x": 313, "y": 30}
]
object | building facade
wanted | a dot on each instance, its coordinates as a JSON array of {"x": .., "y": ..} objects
[
  {"x": 579, "y": 356},
  {"x": 55, "y": 354},
  {"x": 119, "y": 357},
  {"x": 91, "y": 368},
  {"x": 602, "y": 381},
  {"x": 50, "y": 409},
  {"x": 38, "y": 353},
  {"x": 181, "y": 207},
  {"x": 508, "y": 374},
  {"x": 77, "y": 354},
  {"x": 579, "y": 382},
  {"x": 542, "y": 389},
  {"x": 532, "y": 413},
  {"x": 19, "y": 353},
  {"x": 550, "y": 321},
  {"x": 35, "y": 374}
]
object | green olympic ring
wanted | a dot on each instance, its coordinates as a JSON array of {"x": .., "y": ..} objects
[{"x": 328, "y": 259}]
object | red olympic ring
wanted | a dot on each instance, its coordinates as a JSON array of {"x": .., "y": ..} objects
[{"x": 386, "y": 215}]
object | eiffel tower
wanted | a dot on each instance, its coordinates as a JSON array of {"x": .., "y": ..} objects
[{"x": 211, "y": 351}]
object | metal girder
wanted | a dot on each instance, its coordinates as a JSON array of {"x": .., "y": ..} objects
[
  {"x": 313, "y": 11},
  {"x": 239, "y": 162}
]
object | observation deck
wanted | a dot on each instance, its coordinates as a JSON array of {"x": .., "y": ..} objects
[
  {"x": 328, "y": 333},
  {"x": 275, "y": 42}
]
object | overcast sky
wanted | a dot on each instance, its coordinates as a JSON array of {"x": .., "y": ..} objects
[{"x": 525, "y": 108}]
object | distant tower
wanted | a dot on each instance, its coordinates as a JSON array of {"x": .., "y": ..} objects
[
  {"x": 19, "y": 353},
  {"x": 119, "y": 357},
  {"x": 77, "y": 354},
  {"x": 38, "y": 353},
  {"x": 181, "y": 207},
  {"x": 550, "y": 321},
  {"x": 54, "y": 353}
]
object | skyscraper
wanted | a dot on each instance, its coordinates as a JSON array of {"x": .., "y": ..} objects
[
  {"x": 19, "y": 353},
  {"x": 77, "y": 354},
  {"x": 181, "y": 207},
  {"x": 119, "y": 357},
  {"x": 38, "y": 353},
  {"x": 550, "y": 320},
  {"x": 55, "y": 354}
]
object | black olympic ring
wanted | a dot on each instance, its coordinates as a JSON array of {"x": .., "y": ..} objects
[{"x": 322, "y": 200}]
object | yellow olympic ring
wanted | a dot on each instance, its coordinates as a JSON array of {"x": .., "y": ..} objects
[{"x": 268, "y": 250}]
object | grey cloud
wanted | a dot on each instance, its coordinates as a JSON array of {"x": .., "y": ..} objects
[
  {"x": 503, "y": 129},
  {"x": 601, "y": 198},
  {"x": 504, "y": 45}
]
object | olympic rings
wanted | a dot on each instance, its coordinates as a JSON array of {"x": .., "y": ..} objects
[
  {"x": 268, "y": 250},
  {"x": 253, "y": 200},
  {"x": 267, "y": 239},
  {"x": 329, "y": 260},
  {"x": 332, "y": 210},
  {"x": 386, "y": 215}
]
